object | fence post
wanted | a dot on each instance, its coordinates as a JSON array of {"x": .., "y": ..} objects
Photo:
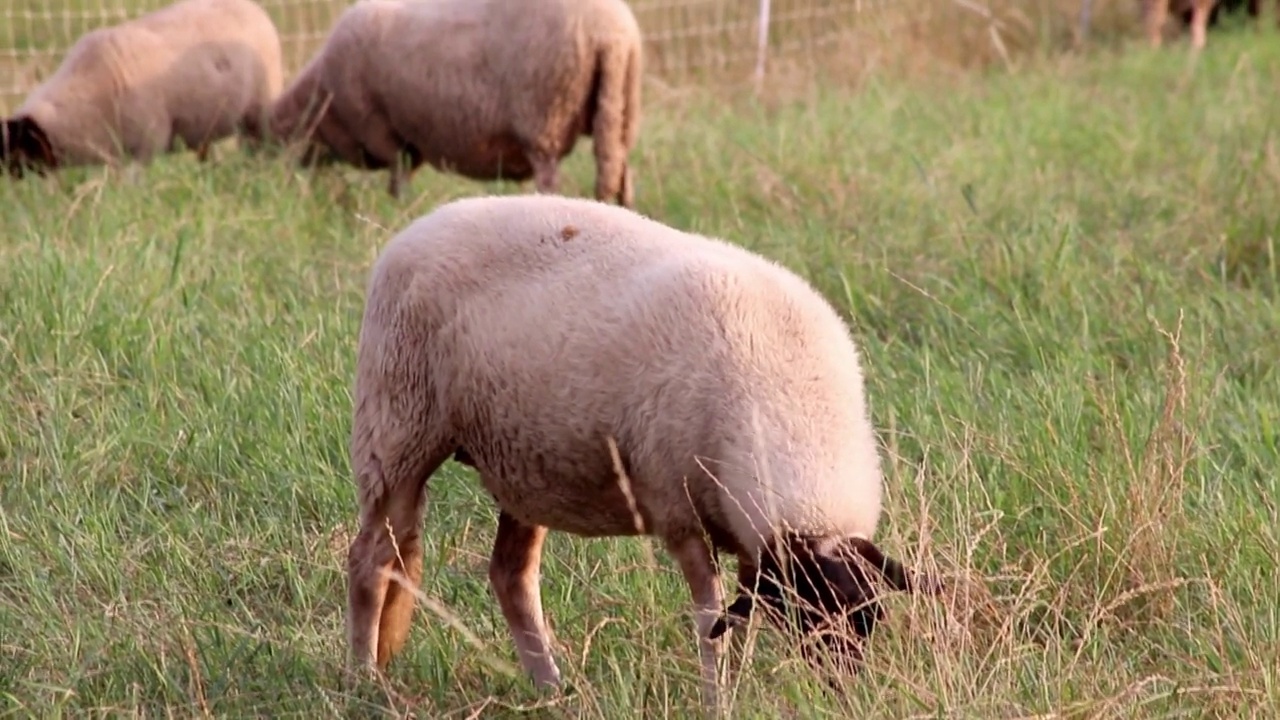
[
  {"x": 1086, "y": 19},
  {"x": 762, "y": 44}
]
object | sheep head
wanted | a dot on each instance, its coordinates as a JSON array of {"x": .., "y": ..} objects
[
  {"x": 824, "y": 589},
  {"x": 23, "y": 145}
]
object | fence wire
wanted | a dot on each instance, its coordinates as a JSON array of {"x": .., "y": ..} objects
[{"x": 683, "y": 38}]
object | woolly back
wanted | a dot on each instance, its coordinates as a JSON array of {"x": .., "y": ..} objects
[{"x": 666, "y": 334}]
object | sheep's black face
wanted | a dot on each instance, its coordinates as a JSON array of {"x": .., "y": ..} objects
[
  {"x": 826, "y": 591},
  {"x": 825, "y": 594},
  {"x": 24, "y": 145}
]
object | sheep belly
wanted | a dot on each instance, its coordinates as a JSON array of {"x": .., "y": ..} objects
[
  {"x": 224, "y": 71},
  {"x": 485, "y": 158},
  {"x": 536, "y": 421},
  {"x": 576, "y": 492}
]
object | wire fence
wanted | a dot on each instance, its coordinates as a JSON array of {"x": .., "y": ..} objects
[{"x": 683, "y": 38}]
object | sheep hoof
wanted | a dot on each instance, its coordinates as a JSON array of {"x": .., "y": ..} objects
[
  {"x": 563, "y": 689},
  {"x": 131, "y": 174},
  {"x": 359, "y": 672},
  {"x": 627, "y": 193},
  {"x": 548, "y": 681}
]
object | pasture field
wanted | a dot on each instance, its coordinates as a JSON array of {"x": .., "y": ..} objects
[{"x": 1064, "y": 280}]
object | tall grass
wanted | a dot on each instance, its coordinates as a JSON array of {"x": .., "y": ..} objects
[{"x": 1064, "y": 281}]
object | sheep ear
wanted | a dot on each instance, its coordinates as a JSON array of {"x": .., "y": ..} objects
[
  {"x": 893, "y": 571},
  {"x": 35, "y": 142},
  {"x": 735, "y": 616},
  {"x": 723, "y": 623}
]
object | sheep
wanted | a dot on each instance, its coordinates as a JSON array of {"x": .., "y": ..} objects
[
  {"x": 487, "y": 89},
  {"x": 521, "y": 335},
  {"x": 195, "y": 70},
  {"x": 1198, "y": 15}
]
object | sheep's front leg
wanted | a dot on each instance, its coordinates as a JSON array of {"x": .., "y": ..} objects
[
  {"x": 739, "y": 611},
  {"x": 546, "y": 172},
  {"x": 1200, "y": 22},
  {"x": 697, "y": 563},
  {"x": 1156, "y": 13},
  {"x": 401, "y": 171},
  {"x": 394, "y": 181},
  {"x": 514, "y": 574},
  {"x": 381, "y": 143}
]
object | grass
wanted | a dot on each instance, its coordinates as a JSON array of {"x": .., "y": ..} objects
[{"x": 1064, "y": 281}]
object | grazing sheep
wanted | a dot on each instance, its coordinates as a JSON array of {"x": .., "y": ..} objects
[
  {"x": 522, "y": 334},
  {"x": 1198, "y": 15},
  {"x": 485, "y": 88},
  {"x": 194, "y": 70}
]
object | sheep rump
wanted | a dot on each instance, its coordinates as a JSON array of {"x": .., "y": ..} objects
[
  {"x": 196, "y": 70},
  {"x": 522, "y": 334},
  {"x": 486, "y": 89}
]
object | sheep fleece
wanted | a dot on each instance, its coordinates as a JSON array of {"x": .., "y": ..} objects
[
  {"x": 528, "y": 329},
  {"x": 474, "y": 86},
  {"x": 194, "y": 69}
]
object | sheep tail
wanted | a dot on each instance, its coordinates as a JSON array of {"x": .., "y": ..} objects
[
  {"x": 634, "y": 69},
  {"x": 617, "y": 118}
]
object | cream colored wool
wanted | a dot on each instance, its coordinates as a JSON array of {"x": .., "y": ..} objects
[
  {"x": 482, "y": 88},
  {"x": 521, "y": 334},
  {"x": 528, "y": 348},
  {"x": 196, "y": 70}
]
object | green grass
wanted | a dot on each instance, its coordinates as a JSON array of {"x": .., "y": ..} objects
[{"x": 176, "y": 353}]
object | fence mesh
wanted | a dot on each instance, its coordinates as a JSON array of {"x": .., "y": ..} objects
[{"x": 683, "y": 38}]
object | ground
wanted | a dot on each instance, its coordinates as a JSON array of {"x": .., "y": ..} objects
[{"x": 1064, "y": 281}]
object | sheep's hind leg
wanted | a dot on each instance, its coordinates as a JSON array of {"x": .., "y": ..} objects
[
  {"x": 613, "y": 175},
  {"x": 627, "y": 191},
  {"x": 514, "y": 574},
  {"x": 697, "y": 563},
  {"x": 392, "y": 499}
]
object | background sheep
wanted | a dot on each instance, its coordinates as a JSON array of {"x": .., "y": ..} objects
[
  {"x": 483, "y": 88},
  {"x": 1198, "y": 15},
  {"x": 194, "y": 70},
  {"x": 519, "y": 334}
]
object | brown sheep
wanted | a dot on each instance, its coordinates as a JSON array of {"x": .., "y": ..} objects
[
  {"x": 487, "y": 89},
  {"x": 1198, "y": 15},
  {"x": 522, "y": 335},
  {"x": 195, "y": 70}
]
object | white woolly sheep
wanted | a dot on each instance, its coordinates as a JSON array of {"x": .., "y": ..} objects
[
  {"x": 487, "y": 89},
  {"x": 195, "y": 70},
  {"x": 522, "y": 334}
]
